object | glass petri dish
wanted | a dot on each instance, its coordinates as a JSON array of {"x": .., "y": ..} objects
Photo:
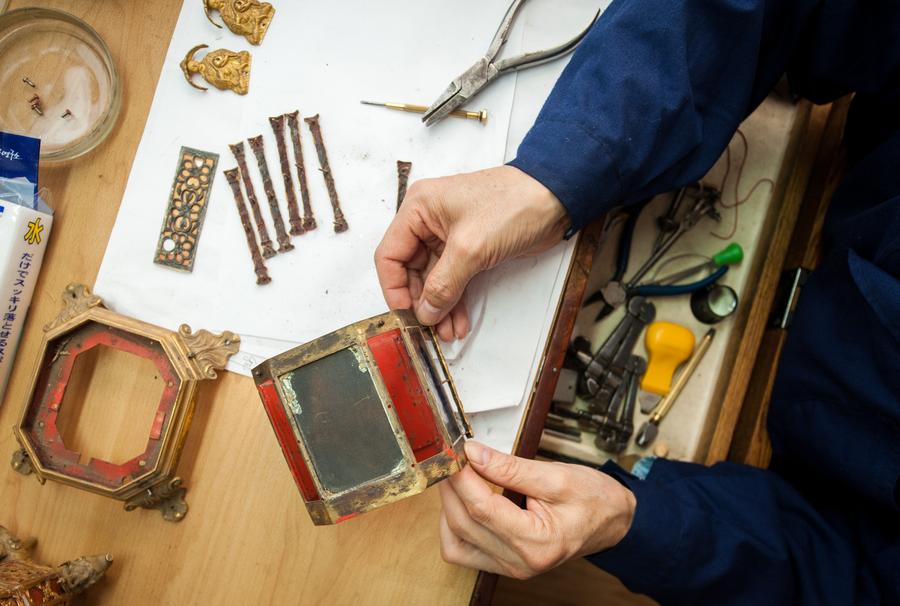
[
  {"x": 71, "y": 68},
  {"x": 3, "y": 5}
]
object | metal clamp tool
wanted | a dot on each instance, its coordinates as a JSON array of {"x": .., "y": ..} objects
[
  {"x": 613, "y": 437},
  {"x": 605, "y": 370}
]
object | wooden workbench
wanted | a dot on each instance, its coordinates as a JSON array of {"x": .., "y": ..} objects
[{"x": 247, "y": 538}]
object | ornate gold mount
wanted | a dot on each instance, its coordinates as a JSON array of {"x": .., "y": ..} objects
[
  {"x": 248, "y": 18},
  {"x": 224, "y": 69},
  {"x": 183, "y": 359}
]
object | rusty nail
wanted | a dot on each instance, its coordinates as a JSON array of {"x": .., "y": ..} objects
[
  {"x": 277, "y": 123},
  {"x": 259, "y": 266},
  {"x": 67, "y": 113},
  {"x": 284, "y": 241},
  {"x": 340, "y": 223},
  {"x": 268, "y": 250},
  {"x": 293, "y": 120},
  {"x": 28, "y": 81},
  {"x": 403, "y": 169}
]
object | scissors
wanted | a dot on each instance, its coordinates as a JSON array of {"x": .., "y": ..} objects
[{"x": 487, "y": 69}]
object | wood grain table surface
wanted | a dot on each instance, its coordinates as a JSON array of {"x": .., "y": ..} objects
[{"x": 247, "y": 538}]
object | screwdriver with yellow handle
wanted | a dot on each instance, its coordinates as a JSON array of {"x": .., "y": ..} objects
[
  {"x": 668, "y": 345},
  {"x": 650, "y": 429},
  {"x": 481, "y": 116}
]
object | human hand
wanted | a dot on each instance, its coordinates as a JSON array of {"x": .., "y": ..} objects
[
  {"x": 449, "y": 229},
  {"x": 571, "y": 511}
]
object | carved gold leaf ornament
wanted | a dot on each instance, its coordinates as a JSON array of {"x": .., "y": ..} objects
[
  {"x": 248, "y": 18},
  {"x": 77, "y": 298},
  {"x": 223, "y": 68},
  {"x": 209, "y": 350}
]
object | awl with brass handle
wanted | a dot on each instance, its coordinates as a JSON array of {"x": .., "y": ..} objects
[{"x": 481, "y": 116}]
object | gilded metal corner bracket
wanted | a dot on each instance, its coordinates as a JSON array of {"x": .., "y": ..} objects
[
  {"x": 209, "y": 350},
  {"x": 167, "y": 497},
  {"x": 77, "y": 298}
]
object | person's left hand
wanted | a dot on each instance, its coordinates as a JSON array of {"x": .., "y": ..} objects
[{"x": 571, "y": 511}]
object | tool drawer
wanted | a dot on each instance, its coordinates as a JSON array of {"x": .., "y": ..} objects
[{"x": 694, "y": 385}]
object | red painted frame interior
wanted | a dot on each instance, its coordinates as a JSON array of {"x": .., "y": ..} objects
[
  {"x": 54, "y": 377},
  {"x": 287, "y": 440},
  {"x": 408, "y": 397}
]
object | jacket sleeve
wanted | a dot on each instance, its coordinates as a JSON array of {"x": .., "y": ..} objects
[
  {"x": 729, "y": 534},
  {"x": 652, "y": 96}
]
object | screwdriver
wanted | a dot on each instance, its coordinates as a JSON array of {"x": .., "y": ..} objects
[
  {"x": 650, "y": 429},
  {"x": 481, "y": 116},
  {"x": 730, "y": 255}
]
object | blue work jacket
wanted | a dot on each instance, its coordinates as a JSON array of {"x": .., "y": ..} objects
[{"x": 647, "y": 104}]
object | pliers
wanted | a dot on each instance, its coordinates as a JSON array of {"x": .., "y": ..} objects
[
  {"x": 487, "y": 69},
  {"x": 617, "y": 291}
]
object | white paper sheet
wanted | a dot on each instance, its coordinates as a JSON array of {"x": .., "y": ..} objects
[{"x": 405, "y": 51}]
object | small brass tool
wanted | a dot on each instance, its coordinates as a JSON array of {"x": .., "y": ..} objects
[{"x": 481, "y": 116}]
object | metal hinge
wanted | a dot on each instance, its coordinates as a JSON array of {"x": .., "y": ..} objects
[{"x": 792, "y": 282}]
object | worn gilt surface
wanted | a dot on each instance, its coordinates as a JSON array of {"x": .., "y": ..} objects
[
  {"x": 181, "y": 359},
  {"x": 186, "y": 210},
  {"x": 76, "y": 299},
  {"x": 209, "y": 350},
  {"x": 223, "y": 68},
  {"x": 24, "y": 582},
  {"x": 248, "y": 18}
]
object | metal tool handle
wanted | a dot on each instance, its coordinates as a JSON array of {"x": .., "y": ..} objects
[
  {"x": 670, "y": 290},
  {"x": 666, "y": 403},
  {"x": 502, "y": 35},
  {"x": 537, "y": 57}
]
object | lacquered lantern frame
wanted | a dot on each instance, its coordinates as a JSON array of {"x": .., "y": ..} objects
[
  {"x": 182, "y": 359},
  {"x": 365, "y": 416}
]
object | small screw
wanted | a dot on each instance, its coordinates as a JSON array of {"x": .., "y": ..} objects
[
  {"x": 67, "y": 113},
  {"x": 35, "y": 103},
  {"x": 28, "y": 81}
]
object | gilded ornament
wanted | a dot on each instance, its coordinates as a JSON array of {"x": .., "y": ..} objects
[
  {"x": 224, "y": 69},
  {"x": 248, "y": 18},
  {"x": 148, "y": 479},
  {"x": 179, "y": 235},
  {"x": 26, "y": 582}
]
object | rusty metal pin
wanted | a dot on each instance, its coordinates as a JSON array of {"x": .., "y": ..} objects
[
  {"x": 259, "y": 266},
  {"x": 67, "y": 113},
  {"x": 403, "y": 169},
  {"x": 28, "y": 81},
  {"x": 340, "y": 223},
  {"x": 293, "y": 120},
  {"x": 277, "y": 123},
  {"x": 284, "y": 240},
  {"x": 268, "y": 250}
]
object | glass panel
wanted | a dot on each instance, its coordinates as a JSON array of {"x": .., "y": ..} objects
[
  {"x": 342, "y": 420},
  {"x": 437, "y": 384}
]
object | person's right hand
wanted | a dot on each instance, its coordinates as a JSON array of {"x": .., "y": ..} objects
[{"x": 450, "y": 229}]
